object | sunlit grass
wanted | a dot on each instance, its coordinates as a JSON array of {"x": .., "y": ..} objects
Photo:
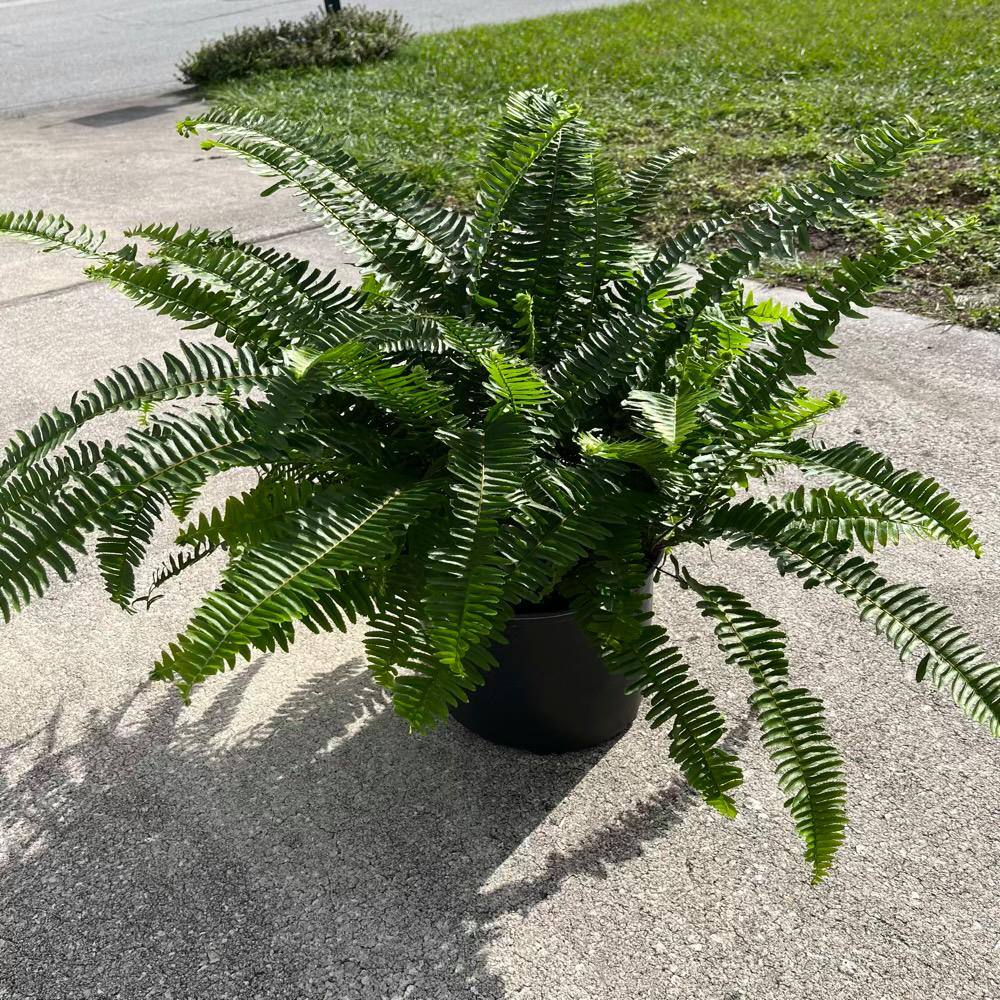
[{"x": 762, "y": 90}]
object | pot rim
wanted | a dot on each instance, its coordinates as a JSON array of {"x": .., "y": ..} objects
[{"x": 521, "y": 616}]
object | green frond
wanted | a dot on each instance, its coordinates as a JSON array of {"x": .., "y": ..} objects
[
  {"x": 396, "y": 634},
  {"x": 646, "y": 181},
  {"x": 49, "y": 476},
  {"x": 760, "y": 375},
  {"x": 49, "y": 511},
  {"x": 668, "y": 418},
  {"x": 782, "y": 419},
  {"x": 536, "y": 233},
  {"x": 656, "y": 669},
  {"x": 53, "y": 233},
  {"x": 606, "y": 250},
  {"x": 287, "y": 402},
  {"x": 281, "y": 580},
  {"x": 466, "y": 580},
  {"x": 765, "y": 311},
  {"x": 898, "y": 493},
  {"x": 793, "y": 728},
  {"x": 472, "y": 339},
  {"x": 155, "y": 287},
  {"x": 297, "y": 276},
  {"x": 610, "y": 599},
  {"x": 200, "y": 369},
  {"x": 906, "y": 615},
  {"x": 647, "y": 453},
  {"x": 428, "y": 690},
  {"x": 778, "y": 225},
  {"x": 837, "y": 516},
  {"x": 383, "y": 217},
  {"x": 249, "y": 518},
  {"x": 515, "y": 382},
  {"x": 532, "y": 123},
  {"x": 127, "y": 532},
  {"x": 285, "y": 290},
  {"x": 400, "y": 654},
  {"x": 405, "y": 391},
  {"x": 743, "y": 450},
  {"x": 662, "y": 271}
]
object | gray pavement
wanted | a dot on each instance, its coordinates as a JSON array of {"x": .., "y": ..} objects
[
  {"x": 285, "y": 837},
  {"x": 58, "y": 51}
]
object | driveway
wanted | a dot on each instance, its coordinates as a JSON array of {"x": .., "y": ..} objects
[
  {"x": 56, "y": 51},
  {"x": 285, "y": 837}
]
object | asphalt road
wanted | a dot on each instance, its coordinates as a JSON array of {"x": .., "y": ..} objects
[
  {"x": 285, "y": 837},
  {"x": 55, "y": 51}
]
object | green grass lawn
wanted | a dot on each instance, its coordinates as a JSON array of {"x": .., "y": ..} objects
[{"x": 764, "y": 90}]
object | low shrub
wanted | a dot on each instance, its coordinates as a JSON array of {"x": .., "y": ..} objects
[{"x": 347, "y": 38}]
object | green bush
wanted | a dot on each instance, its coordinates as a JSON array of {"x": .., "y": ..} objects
[
  {"x": 347, "y": 38},
  {"x": 524, "y": 405}
]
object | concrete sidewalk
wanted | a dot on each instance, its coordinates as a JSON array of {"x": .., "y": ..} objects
[
  {"x": 285, "y": 837},
  {"x": 63, "y": 51}
]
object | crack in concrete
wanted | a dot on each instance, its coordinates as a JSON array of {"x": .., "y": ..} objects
[{"x": 49, "y": 293}]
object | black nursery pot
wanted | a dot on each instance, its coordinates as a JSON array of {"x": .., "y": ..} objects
[{"x": 550, "y": 692}]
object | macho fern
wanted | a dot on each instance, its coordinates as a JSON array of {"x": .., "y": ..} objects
[{"x": 525, "y": 406}]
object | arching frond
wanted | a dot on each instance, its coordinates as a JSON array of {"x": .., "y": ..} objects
[
  {"x": 646, "y": 181},
  {"x": 905, "y": 614},
  {"x": 538, "y": 230},
  {"x": 570, "y": 512},
  {"x": 595, "y": 367},
  {"x": 249, "y": 518},
  {"x": 281, "y": 580},
  {"x": 515, "y": 382},
  {"x": 381, "y": 216},
  {"x": 606, "y": 249},
  {"x": 396, "y": 633},
  {"x": 647, "y": 453},
  {"x": 661, "y": 271},
  {"x": 792, "y": 723},
  {"x": 610, "y": 599},
  {"x": 777, "y": 225},
  {"x": 58, "y": 502},
  {"x": 53, "y": 233},
  {"x": 462, "y": 599},
  {"x": 155, "y": 287},
  {"x": 759, "y": 376},
  {"x": 406, "y": 391},
  {"x": 837, "y": 516},
  {"x": 199, "y": 369},
  {"x": 899, "y": 493},
  {"x": 127, "y": 531},
  {"x": 532, "y": 122},
  {"x": 280, "y": 287}
]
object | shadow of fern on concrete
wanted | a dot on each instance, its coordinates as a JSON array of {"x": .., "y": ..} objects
[{"x": 322, "y": 851}]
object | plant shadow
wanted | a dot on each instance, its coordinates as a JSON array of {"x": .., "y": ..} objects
[{"x": 325, "y": 852}]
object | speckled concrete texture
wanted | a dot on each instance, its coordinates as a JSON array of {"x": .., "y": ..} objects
[{"x": 284, "y": 837}]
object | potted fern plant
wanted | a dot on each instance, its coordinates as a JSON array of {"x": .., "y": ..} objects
[{"x": 515, "y": 420}]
